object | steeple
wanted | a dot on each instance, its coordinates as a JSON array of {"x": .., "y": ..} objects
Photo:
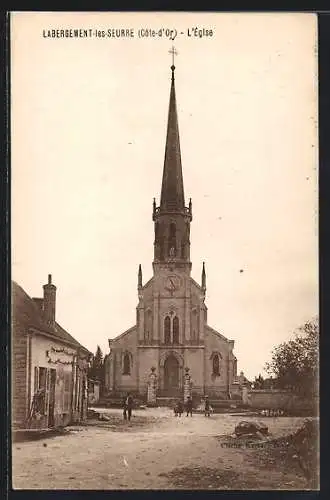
[
  {"x": 172, "y": 218},
  {"x": 172, "y": 194}
]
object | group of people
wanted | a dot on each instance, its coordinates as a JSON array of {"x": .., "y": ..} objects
[{"x": 180, "y": 407}]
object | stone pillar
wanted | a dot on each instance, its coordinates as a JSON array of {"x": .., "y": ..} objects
[
  {"x": 152, "y": 388},
  {"x": 187, "y": 386},
  {"x": 245, "y": 394}
]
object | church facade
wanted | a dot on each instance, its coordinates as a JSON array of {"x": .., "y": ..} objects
[{"x": 171, "y": 338}]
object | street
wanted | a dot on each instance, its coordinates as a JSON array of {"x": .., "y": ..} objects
[{"x": 157, "y": 451}]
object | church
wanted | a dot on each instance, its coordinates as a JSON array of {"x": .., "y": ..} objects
[{"x": 171, "y": 339}]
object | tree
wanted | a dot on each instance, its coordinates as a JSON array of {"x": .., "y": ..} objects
[
  {"x": 96, "y": 369},
  {"x": 258, "y": 382},
  {"x": 294, "y": 364},
  {"x": 262, "y": 383}
]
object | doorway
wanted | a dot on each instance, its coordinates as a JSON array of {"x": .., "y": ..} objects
[
  {"x": 51, "y": 407},
  {"x": 171, "y": 376}
]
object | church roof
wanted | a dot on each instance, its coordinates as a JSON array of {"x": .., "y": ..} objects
[
  {"x": 27, "y": 313},
  {"x": 207, "y": 327},
  {"x": 172, "y": 194},
  {"x": 129, "y": 330}
]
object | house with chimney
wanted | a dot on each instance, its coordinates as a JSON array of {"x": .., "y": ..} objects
[{"x": 49, "y": 366}]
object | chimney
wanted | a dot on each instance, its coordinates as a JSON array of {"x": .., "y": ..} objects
[{"x": 49, "y": 302}]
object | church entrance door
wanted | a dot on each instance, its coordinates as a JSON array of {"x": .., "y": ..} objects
[{"x": 171, "y": 376}]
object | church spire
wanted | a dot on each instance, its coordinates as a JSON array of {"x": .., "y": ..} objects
[
  {"x": 203, "y": 277},
  {"x": 172, "y": 194},
  {"x": 172, "y": 218}
]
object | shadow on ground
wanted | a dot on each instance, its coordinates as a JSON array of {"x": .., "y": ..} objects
[
  {"x": 20, "y": 436},
  {"x": 204, "y": 478}
]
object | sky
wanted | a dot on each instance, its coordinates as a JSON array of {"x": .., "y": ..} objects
[{"x": 88, "y": 125}]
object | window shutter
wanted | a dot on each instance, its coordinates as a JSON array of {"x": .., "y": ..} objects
[
  {"x": 47, "y": 391},
  {"x": 67, "y": 391},
  {"x": 74, "y": 386},
  {"x": 36, "y": 379},
  {"x": 77, "y": 389}
]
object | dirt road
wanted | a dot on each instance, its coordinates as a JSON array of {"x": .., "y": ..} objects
[{"x": 156, "y": 451}]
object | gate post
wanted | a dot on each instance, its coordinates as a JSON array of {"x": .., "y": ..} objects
[
  {"x": 187, "y": 387},
  {"x": 152, "y": 388}
]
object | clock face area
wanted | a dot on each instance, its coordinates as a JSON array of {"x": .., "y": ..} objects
[{"x": 172, "y": 283}]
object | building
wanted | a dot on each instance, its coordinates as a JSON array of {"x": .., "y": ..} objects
[
  {"x": 49, "y": 367},
  {"x": 171, "y": 341}
]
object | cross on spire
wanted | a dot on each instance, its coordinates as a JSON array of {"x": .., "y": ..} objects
[
  {"x": 172, "y": 194},
  {"x": 174, "y": 52}
]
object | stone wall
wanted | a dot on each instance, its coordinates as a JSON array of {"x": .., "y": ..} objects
[
  {"x": 19, "y": 376},
  {"x": 279, "y": 399}
]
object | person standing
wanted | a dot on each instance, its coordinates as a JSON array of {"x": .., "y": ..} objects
[
  {"x": 125, "y": 408},
  {"x": 207, "y": 407},
  {"x": 189, "y": 406},
  {"x": 129, "y": 404}
]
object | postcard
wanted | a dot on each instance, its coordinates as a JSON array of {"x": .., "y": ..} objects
[{"x": 164, "y": 187}]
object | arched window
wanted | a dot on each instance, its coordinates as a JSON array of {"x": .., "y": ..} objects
[
  {"x": 167, "y": 330},
  {"x": 172, "y": 238},
  {"x": 175, "y": 330},
  {"x": 216, "y": 365},
  {"x": 126, "y": 365},
  {"x": 148, "y": 326}
]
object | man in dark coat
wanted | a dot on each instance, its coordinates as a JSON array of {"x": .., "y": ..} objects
[
  {"x": 178, "y": 409},
  {"x": 125, "y": 408},
  {"x": 129, "y": 405},
  {"x": 189, "y": 406},
  {"x": 207, "y": 407}
]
